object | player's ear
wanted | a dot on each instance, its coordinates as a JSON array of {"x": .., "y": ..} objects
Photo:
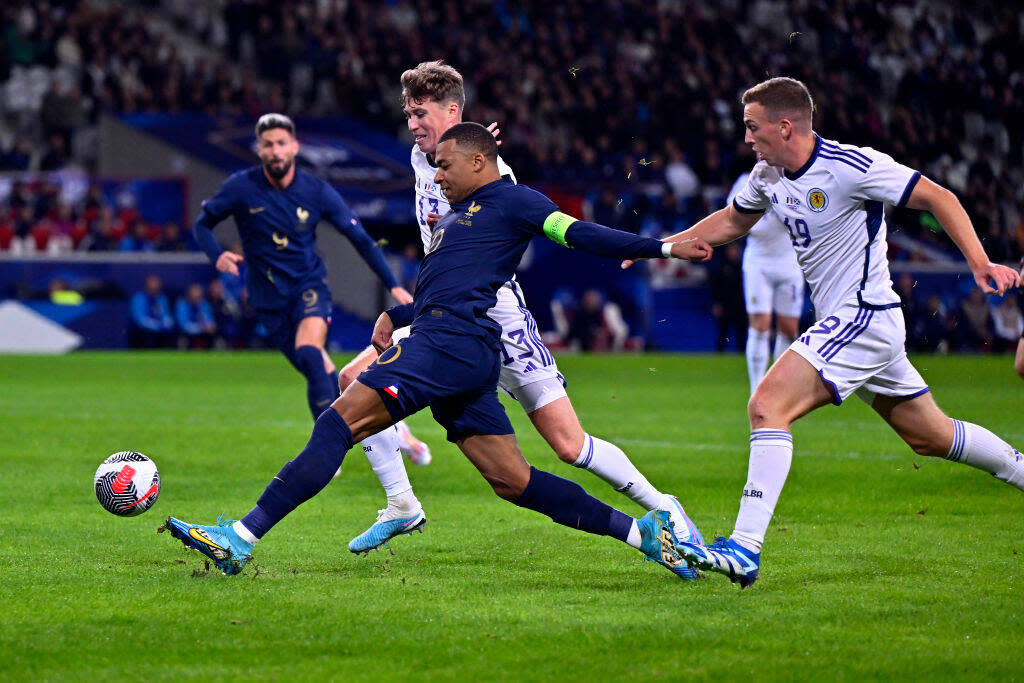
[{"x": 785, "y": 128}]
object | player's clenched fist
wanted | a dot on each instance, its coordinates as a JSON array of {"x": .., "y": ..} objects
[
  {"x": 693, "y": 249},
  {"x": 382, "y": 331},
  {"x": 228, "y": 262}
]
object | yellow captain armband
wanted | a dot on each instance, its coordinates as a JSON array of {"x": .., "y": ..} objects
[{"x": 555, "y": 226}]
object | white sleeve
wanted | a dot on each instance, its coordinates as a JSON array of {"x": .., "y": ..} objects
[
  {"x": 752, "y": 198},
  {"x": 505, "y": 170},
  {"x": 885, "y": 180}
]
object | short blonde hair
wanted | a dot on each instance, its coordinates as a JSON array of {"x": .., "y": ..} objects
[{"x": 782, "y": 97}]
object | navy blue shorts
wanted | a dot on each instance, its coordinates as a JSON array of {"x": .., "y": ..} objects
[
  {"x": 456, "y": 374},
  {"x": 313, "y": 300}
]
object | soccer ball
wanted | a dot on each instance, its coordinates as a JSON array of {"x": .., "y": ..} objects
[{"x": 127, "y": 483}]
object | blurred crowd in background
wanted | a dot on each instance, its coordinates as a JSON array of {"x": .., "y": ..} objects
[
  {"x": 631, "y": 104},
  {"x": 35, "y": 217}
]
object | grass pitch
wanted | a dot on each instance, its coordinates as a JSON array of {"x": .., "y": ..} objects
[{"x": 879, "y": 563}]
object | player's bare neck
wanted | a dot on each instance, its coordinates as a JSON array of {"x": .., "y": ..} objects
[{"x": 799, "y": 152}]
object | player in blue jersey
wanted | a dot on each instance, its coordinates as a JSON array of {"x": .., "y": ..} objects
[
  {"x": 450, "y": 362},
  {"x": 433, "y": 97},
  {"x": 277, "y": 207}
]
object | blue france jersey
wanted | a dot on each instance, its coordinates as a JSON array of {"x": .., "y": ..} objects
[
  {"x": 474, "y": 249},
  {"x": 278, "y": 231}
]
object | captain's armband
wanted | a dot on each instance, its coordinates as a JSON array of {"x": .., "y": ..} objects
[{"x": 555, "y": 226}]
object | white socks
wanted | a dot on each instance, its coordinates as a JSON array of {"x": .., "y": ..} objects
[
  {"x": 771, "y": 452},
  {"x": 244, "y": 533},
  {"x": 757, "y": 356},
  {"x": 607, "y": 461},
  {"x": 634, "y": 538},
  {"x": 782, "y": 343},
  {"x": 978, "y": 447},
  {"x": 383, "y": 450}
]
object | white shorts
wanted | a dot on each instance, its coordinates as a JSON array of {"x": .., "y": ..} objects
[
  {"x": 769, "y": 288},
  {"x": 861, "y": 350},
  {"x": 528, "y": 370}
]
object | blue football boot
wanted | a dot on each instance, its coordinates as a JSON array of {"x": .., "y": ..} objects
[
  {"x": 387, "y": 526},
  {"x": 658, "y": 544},
  {"x": 220, "y": 543},
  {"x": 724, "y": 556}
]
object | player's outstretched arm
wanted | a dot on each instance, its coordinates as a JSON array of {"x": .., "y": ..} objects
[
  {"x": 950, "y": 213},
  {"x": 337, "y": 213},
  {"x": 721, "y": 227},
  {"x": 604, "y": 241}
]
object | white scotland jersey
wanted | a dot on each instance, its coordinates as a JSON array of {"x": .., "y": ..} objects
[
  {"x": 772, "y": 280},
  {"x": 528, "y": 370},
  {"x": 833, "y": 208}
]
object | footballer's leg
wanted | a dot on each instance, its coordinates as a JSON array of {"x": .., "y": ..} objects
[
  {"x": 787, "y": 328},
  {"x": 791, "y": 388},
  {"x": 499, "y": 460},
  {"x": 403, "y": 512},
  {"x": 312, "y": 361},
  {"x": 758, "y": 334},
  {"x": 358, "y": 413},
  {"x": 787, "y": 304},
  {"x": 927, "y": 430},
  {"x": 417, "y": 451},
  {"x": 557, "y": 422}
]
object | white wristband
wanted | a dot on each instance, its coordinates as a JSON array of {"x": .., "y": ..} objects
[{"x": 666, "y": 249}]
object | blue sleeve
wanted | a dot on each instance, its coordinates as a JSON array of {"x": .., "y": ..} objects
[
  {"x": 181, "y": 313},
  {"x": 214, "y": 210},
  {"x": 165, "y": 312},
  {"x": 529, "y": 209},
  {"x": 604, "y": 241},
  {"x": 337, "y": 213},
  {"x": 538, "y": 214},
  {"x": 401, "y": 315},
  {"x": 207, "y": 313},
  {"x": 139, "y": 316}
]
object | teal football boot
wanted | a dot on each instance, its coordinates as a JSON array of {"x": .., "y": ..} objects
[
  {"x": 658, "y": 544},
  {"x": 220, "y": 543}
]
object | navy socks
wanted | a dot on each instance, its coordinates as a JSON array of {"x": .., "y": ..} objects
[
  {"x": 321, "y": 390},
  {"x": 303, "y": 477},
  {"x": 568, "y": 504}
]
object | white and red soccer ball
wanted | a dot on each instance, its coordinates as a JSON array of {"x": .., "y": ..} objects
[{"x": 127, "y": 483}]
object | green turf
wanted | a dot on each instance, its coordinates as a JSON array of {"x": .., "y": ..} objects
[{"x": 879, "y": 563}]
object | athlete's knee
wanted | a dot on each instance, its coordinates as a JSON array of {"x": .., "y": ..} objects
[
  {"x": 506, "y": 484},
  {"x": 929, "y": 437},
  {"x": 1018, "y": 365},
  {"x": 308, "y": 358},
  {"x": 346, "y": 376},
  {"x": 568, "y": 448},
  {"x": 760, "y": 322},
  {"x": 760, "y": 407},
  {"x": 929, "y": 445}
]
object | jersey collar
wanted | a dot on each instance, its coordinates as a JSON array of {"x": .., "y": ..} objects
[
  {"x": 803, "y": 169},
  {"x": 480, "y": 190}
]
